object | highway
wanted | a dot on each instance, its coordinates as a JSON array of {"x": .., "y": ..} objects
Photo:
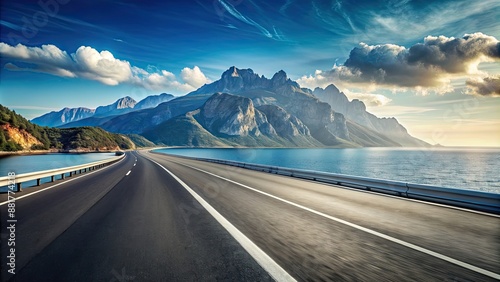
[{"x": 152, "y": 217}]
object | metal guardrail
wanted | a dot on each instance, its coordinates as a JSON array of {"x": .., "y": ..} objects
[
  {"x": 18, "y": 179},
  {"x": 476, "y": 200}
]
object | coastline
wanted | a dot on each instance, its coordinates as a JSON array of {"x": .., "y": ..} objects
[{"x": 47, "y": 152}]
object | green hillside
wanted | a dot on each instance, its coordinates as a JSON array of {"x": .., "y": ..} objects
[
  {"x": 183, "y": 131},
  {"x": 45, "y": 138}
]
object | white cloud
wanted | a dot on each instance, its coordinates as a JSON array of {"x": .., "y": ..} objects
[
  {"x": 88, "y": 63},
  {"x": 427, "y": 66},
  {"x": 101, "y": 66},
  {"x": 194, "y": 77}
]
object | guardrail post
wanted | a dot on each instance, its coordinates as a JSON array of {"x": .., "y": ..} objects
[
  {"x": 62, "y": 176},
  {"x": 52, "y": 177},
  {"x": 38, "y": 182},
  {"x": 70, "y": 173},
  {"x": 19, "y": 187}
]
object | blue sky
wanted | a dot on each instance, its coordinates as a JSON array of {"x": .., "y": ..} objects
[{"x": 399, "y": 57}]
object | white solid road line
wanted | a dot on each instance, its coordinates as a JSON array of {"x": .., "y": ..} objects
[
  {"x": 50, "y": 187},
  {"x": 367, "y": 230},
  {"x": 134, "y": 164},
  {"x": 128, "y": 172},
  {"x": 264, "y": 260}
]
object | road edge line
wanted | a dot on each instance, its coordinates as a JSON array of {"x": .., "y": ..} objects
[
  {"x": 263, "y": 259},
  {"x": 365, "y": 229}
]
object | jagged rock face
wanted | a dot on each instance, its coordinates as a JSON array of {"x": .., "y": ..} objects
[
  {"x": 64, "y": 116},
  {"x": 20, "y": 136},
  {"x": 69, "y": 115},
  {"x": 284, "y": 123},
  {"x": 355, "y": 110},
  {"x": 334, "y": 97},
  {"x": 235, "y": 81},
  {"x": 120, "y": 104},
  {"x": 229, "y": 115},
  {"x": 280, "y": 80},
  {"x": 264, "y": 126},
  {"x": 339, "y": 126},
  {"x": 311, "y": 111}
]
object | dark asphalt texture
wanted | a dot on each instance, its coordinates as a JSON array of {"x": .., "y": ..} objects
[
  {"x": 112, "y": 227},
  {"x": 145, "y": 226}
]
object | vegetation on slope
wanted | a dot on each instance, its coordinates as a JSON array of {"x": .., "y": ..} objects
[
  {"x": 183, "y": 131},
  {"x": 88, "y": 138},
  {"x": 140, "y": 141}
]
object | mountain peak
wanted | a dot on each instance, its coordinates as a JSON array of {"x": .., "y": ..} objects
[
  {"x": 280, "y": 77},
  {"x": 235, "y": 72},
  {"x": 125, "y": 102},
  {"x": 332, "y": 88}
]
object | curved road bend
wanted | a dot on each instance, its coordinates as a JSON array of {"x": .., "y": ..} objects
[{"x": 134, "y": 221}]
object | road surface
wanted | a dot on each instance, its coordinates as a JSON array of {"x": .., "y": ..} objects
[{"x": 153, "y": 217}]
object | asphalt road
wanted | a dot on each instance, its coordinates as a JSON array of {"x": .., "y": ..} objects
[{"x": 136, "y": 221}]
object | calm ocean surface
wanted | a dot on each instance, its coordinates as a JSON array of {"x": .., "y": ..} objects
[
  {"x": 24, "y": 164},
  {"x": 472, "y": 169}
]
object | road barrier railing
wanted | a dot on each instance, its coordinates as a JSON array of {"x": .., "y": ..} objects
[
  {"x": 62, "y": 173},
  {"x": 476, "y": 200}
]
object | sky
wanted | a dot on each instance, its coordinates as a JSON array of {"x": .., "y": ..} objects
[{"x": 434, "y": 65}]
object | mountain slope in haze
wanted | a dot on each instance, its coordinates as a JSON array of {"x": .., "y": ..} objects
[
  {"x": 153, "y": 101},
  {"x": 120, "y": 106},
  {"x": 66, "y": 115},
  {"x": 140, "y": 121},
  {"x": 74, "y": 117},
  {"x": 355, "y": 111}
]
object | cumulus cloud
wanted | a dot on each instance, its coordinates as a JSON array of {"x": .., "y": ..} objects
[
  {"x": 194, "y": 77},
  {"x": 488, "y": 86},
  {"x": 428, "y": 65},
  {"x": 88, "y": 63}
]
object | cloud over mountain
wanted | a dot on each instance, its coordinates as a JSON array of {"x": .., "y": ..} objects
[
  {"x": 488, "y": 86},
  {"x": 430, "y": 64},
  {"x": 88, "y": 63}
]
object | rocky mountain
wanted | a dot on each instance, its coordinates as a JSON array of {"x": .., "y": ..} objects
[
  {"x": 225, "y": 114},
  {"x": 230, "y": 120},
  {"x": 325, "y": 125},
  {"x": 143, "y": 120},
  {"x": 355, "y": 111},
  {"x": 243, "y": 108},
  {"x": 66, "y": 115},
  {"x": 121, "y": 106},
  {"x": 153, "y": 101},
  {"x": 74, "y": 117}
]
